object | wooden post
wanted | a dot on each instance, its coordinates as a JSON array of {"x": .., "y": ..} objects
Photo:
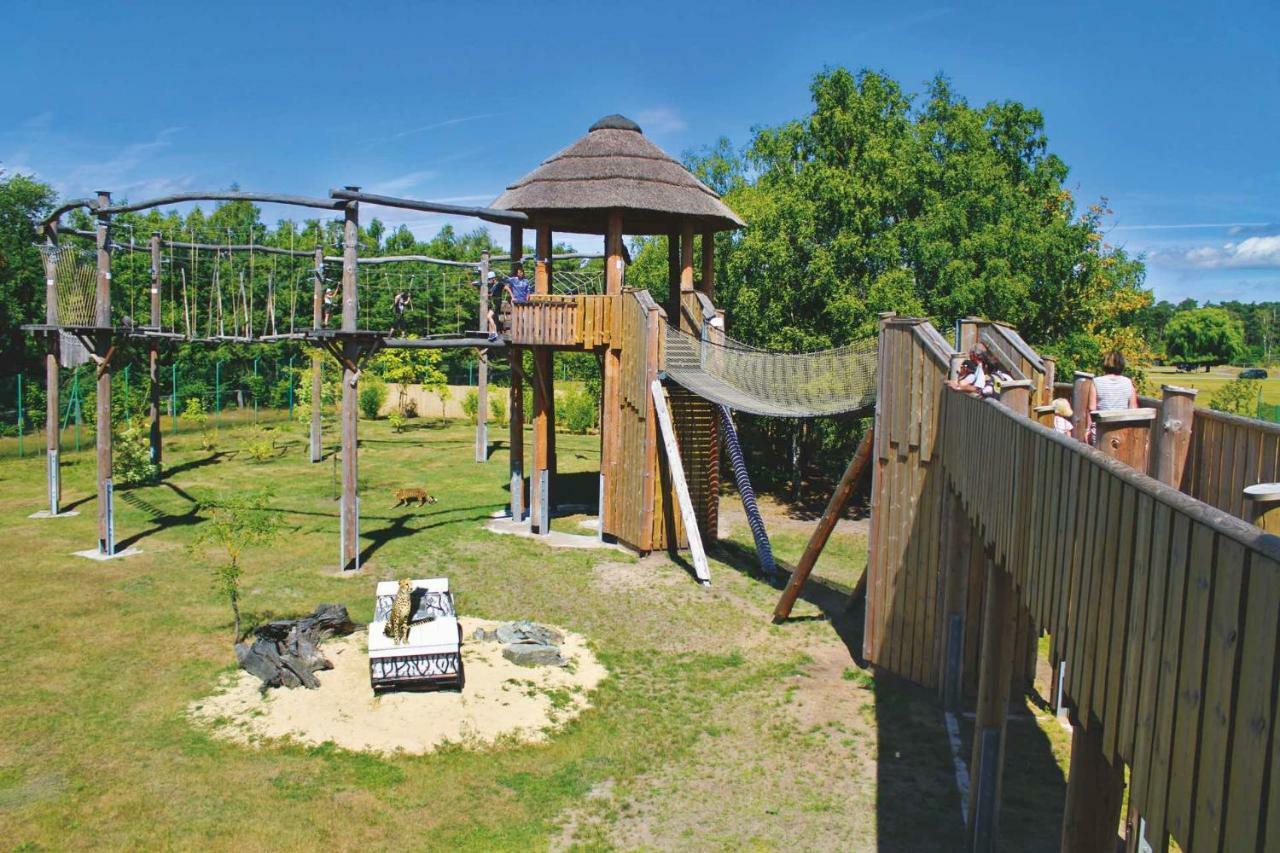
[
  {"x": 544, "y": 416},
  {"x": 350, "y": 391},
  {"x": 153, "y": 412},
  {"x": 995, "y": 677},
  {"x": 818, "y": 540},
  {"x": 610, "y": 444},
  {"x": 1080, "y": 404},
  {"x": 709, "y": 264},
  {"x": 673, "y": 279},
  {"x": 1094, "y": 791},
  {"x": 1173, "y": 434},
  {"x": 515, "y": 406},
  {"x": 317, "y": 366},
  {"x": 686, "y": 276},
  {"x": 1050, "y": 377},
  {"x": 1125, "y": 434},
  {"x": 52, "y": 434},
  {"x": 1262, "y": 506},
  {"x": 103, "y": 344},
  {"x": 482, "y": 372}
]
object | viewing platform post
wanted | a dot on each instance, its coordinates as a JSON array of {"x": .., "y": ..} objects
[
  {"x": 515, "y": 407},
  {"x": 1262, "y": 506},
  {"x": 103, "y": 351}
]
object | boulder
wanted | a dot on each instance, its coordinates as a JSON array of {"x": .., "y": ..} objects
[{"x": 533, "y": 654}]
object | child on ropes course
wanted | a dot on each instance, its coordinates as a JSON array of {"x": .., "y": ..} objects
[{"x": 401, "y": 303}]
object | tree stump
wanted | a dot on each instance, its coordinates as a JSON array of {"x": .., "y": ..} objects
[{"x": 285, "y": 653}]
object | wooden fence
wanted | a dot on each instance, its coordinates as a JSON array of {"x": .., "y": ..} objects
[
  {"x": 1227, "y": 453},
  {"x": 585, "y": 321},
  {"x": 1165, "y": 608}
]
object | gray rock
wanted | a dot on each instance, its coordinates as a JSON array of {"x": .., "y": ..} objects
[
  {"x": 533, "y": 654},
  {"x": 527, "y": 632},
  {"x": 480, "y": 635}
]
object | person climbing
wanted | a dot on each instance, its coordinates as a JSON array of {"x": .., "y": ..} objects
[
  {"x": 401, "y": 303},
  {"x": 330, "y": 295},
  {"x": 1112, "y": 390}
]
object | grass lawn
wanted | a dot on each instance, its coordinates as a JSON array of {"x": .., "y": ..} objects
[
  {"x": 1209, "y": 383},
  {"x": 714, "y": 729}
]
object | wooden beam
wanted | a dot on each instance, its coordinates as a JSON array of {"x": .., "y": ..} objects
[
  {"x": 544, "y": 406},
  {"x": 230, "y": 195},
  {"x": 1080, "y": 404},
  {"x": 956, "y": 567},
  {"x": 317, "y": 360},
  {"x": 827, "y": 523},
  {"x": 611, "y": 366},
  {"x": 676, "y": 469},
  {"x": 106, "y": 521},
  {"x": 482, "y": 371},
  {"x": 489, "y": 214},
  {"x": 673, "y": 278},
  {"x": 515, "y": 406},
  {"x": 709, "y": 264},
  {"x": 52, "y": 435},
  {"x": 350, "y": 513}
]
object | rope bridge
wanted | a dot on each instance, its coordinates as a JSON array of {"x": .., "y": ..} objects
[{"x": 790, "y": 385}]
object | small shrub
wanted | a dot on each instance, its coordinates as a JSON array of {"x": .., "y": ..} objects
[
  {"x": 498, "y": 408},
  {"x": 194, "y": 411},
  {"x": 131, "y": 463},
  {"x": 446, "y": 394},
  {"x": 237, "y": 521},
  {"x": 397, "y": 421},
  {"x": 373, "y": 393},
  {"x": 471, "y": 404},
  {"x": 1239, "y": 397},
  {"x": 408, "y": 406},
  {"x": 260, "y": 446},
  {"x": 577, "y": 412},
  {"x": 208, "y": 441}
]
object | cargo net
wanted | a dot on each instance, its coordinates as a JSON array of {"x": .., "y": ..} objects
[
  {"x": 75, "y": 274},
  {"x": 790, "y": 385}
]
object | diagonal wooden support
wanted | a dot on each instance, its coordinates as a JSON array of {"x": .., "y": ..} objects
[{"x": 839, "y": 499}]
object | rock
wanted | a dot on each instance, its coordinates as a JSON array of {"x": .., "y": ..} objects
[
  {"x": 480, "y": 635},
  {"x": 533, "y": 654},
  {"x": 528, "y": 632}
]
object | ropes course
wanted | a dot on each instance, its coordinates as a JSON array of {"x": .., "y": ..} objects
[
  {"x": 75, "y": 275},
  {"x": 791, "y": 385}
]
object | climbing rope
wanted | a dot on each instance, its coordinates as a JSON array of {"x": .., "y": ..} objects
[{"x": 75, "y": 282}]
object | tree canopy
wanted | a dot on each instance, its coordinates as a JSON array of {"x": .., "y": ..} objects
[{"x": 1205, "y": 336}]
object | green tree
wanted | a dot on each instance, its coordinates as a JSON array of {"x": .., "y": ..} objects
[
  {"x": 24, "y": 201},
  {"x": 237, "y": 521},
  {"x": 1205, "y": 336}
]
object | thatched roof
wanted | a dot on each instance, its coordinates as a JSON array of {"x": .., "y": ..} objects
[{"x": 614, "y": 167}]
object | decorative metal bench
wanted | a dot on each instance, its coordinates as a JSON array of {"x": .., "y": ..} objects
[{"x": 433, "y": 656}]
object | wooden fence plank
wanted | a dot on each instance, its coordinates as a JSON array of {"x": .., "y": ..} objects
[
  {"x": 1255, "y": 710},
  {"x": 1131, "y": 671}
]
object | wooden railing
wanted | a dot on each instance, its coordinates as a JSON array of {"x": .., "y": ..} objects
[
  {"x": 1165, "y": 608},
  {"x": 584, "y": 321},
  {"x": 1228, "y": 453}
]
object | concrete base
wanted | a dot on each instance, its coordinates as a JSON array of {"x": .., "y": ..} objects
[
  {"x": 95, "y": 554},
  {"x": 556, "y": 538},
  {"x": 44, "y": 513}
]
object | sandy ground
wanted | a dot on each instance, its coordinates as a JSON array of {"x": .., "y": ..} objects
[{"x": 500, "y": 701}]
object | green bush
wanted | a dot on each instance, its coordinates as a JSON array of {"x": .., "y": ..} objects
[
  {"x": 471, "y": 404},
  {"x": 498, "y": 407},
  {"x": 1239, "y": 397},
  {"x": 131, "y": 463},
  {"x": 260, "y": 445},
  {"x": 194, "y": 411},
  {"x": 577, "y": 411},
  {"x": 397, "y": 421},
  {"x": 373, "y": 393}
]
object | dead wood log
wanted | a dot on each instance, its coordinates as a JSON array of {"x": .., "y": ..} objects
[{"x": 286, "y": 652}]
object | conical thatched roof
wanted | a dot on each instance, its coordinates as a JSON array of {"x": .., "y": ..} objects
[{"x": 614, "y": 167}]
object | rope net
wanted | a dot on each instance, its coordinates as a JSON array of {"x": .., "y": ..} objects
[
  {"x": 791, "y": 385},
  {"x": 75, "y": 275}
]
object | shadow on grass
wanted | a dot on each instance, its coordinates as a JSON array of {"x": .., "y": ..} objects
[
  {"x": 160, "y": 519},
  {"x": 212, "y": 459}
]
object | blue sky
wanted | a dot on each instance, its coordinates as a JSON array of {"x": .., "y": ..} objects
[{"x": 1170, "y": 111}]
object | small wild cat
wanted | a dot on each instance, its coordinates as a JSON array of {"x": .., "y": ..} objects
[
  {"x": 405, "y": 496},
  {"x": 399, "y": 620}
]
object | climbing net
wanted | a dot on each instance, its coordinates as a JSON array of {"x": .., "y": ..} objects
[
  {"x": 795, "y": 385},
  {"x": 75, "y": 276}
]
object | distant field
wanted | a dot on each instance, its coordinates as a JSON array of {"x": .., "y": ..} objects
[{"x": 1208, "y": 383}]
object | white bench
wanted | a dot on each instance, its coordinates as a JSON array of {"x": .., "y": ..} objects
[{"x": 433, "y": 654}]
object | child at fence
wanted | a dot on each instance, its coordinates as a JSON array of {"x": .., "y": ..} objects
[
  {"x": 1062, "y": 414},
  {"x": 976, "y": 374}
]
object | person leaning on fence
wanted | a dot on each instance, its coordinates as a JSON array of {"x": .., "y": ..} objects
[
  {"x": 978, "y": 375},
  {"x": 1112, "y": 390},
  {"x": 401, "y": 303},
  {"x": 517, "y": 286}
]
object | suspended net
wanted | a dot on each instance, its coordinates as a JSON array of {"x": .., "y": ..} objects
[
  {"x": 792, "y": 385},
  {"x": 75, "y": 274}
]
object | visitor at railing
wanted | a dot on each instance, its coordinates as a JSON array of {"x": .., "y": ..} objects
[
  {"x": 1110, "y": 391},
  {"x": 978, "y": 373},
  {"x": 401, "y": 303},
  {"x": 1062, "y": 415},
  {"x": 518, "y": 286}
]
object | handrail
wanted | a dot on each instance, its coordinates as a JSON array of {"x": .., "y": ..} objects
[{"x": 489, "y": 214}]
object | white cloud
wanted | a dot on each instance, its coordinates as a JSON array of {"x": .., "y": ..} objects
[
  {"x": 117, "y": 173},
  {"x": 402, "y": 183},
  {"x": 660, "y": 120},
  {"x": 1251, "y": 253},
  {"x": 449, "y": 122}
]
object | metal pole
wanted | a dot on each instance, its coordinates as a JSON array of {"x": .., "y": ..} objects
[
  {"x": 79, "y": 415},
  {"x": 255, "y": 389},
  {"x": 173, "y": 392},
  {"x": 53, "y": 433},
  {"x": 19, "y": 415},
  {"x": 317, "y": 379}
]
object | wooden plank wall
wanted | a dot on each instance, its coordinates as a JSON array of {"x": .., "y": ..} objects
[
  {"x": 579, "y": 321},
  {"x": 698, "y": 435},
  {"x": 1165, "y": 607},
  {"x": 903, "y": 624},
  {"x": 1227, "y": 453}
]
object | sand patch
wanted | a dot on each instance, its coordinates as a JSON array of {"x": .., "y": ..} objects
[{"x": 500, "y": 701}]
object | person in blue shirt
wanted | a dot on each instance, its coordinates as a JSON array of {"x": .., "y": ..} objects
[{"x": 518, "y": 286}]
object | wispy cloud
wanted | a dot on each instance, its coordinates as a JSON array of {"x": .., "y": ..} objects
[
  {"x": 402, "y": 183},
  {"x": 449, "y": 122},
  {"x": 1177, "y": 226},
  {"x": 659, "y": 120},
  {"x": 1250, "y": 253},
  {"x": 119, "y": 171}
]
